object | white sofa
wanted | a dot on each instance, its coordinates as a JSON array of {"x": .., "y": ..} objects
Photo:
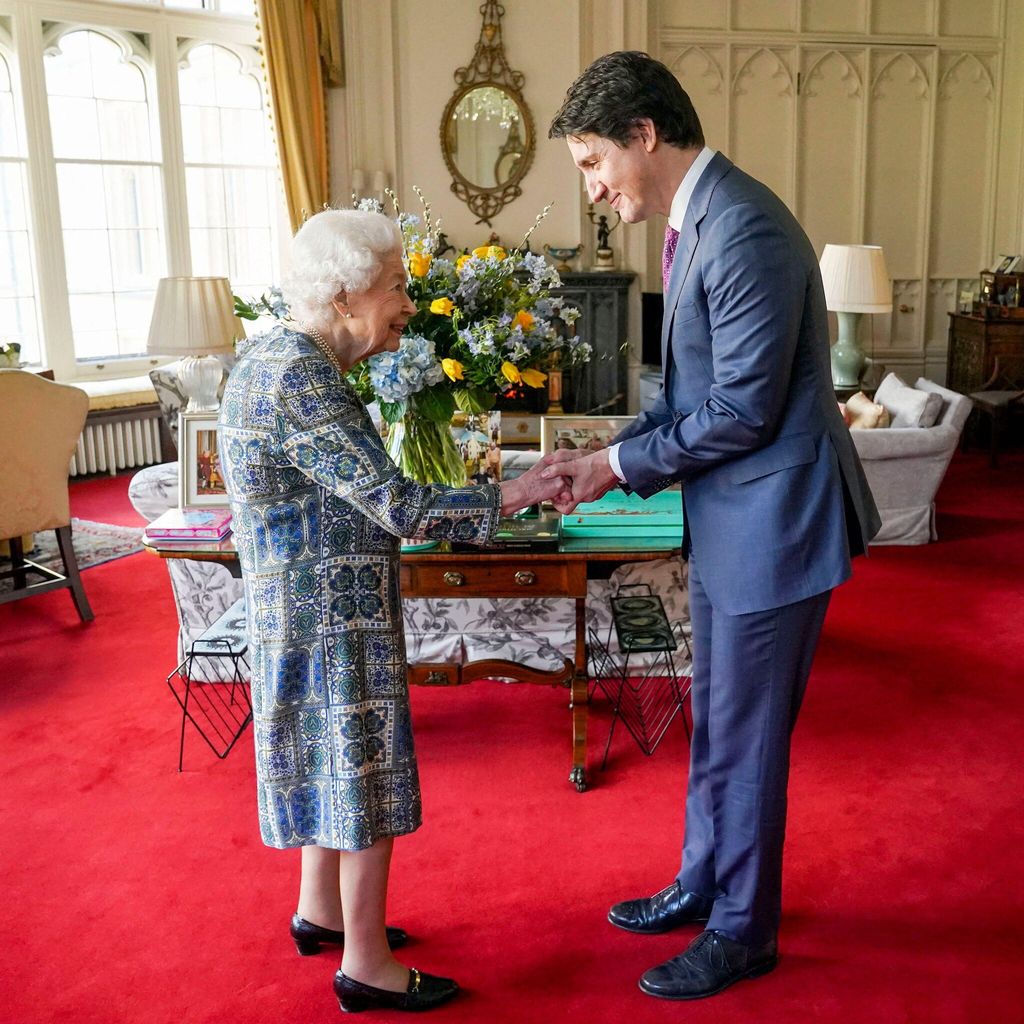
[
  {"x": 539, "y": 632},
  {"x": 904, "y": 465}
]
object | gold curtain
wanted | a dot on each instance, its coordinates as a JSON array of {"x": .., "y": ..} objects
[{"x": 301, "y": 42}]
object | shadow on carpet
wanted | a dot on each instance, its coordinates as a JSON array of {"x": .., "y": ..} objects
[{"x": 95, "y": 543}]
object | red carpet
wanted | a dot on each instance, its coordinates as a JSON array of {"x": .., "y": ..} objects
[{"x": 134, "y": 894}]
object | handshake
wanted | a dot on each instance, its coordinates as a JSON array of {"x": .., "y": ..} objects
[{"x": 565, "y": 478}]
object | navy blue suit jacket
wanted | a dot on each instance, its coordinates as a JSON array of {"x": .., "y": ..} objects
[{"x": 776, "y": 500}]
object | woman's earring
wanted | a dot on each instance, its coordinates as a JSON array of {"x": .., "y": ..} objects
[{"x": 347, "y": 315}]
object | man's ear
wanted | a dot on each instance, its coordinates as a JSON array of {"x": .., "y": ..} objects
[{"x": 647, "y": 133}]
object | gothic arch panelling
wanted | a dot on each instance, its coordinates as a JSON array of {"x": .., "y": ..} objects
[
  {"x": 964, "y": 126},
  {"x": 761, "y": 117},
  {"x": 899, "y": 124},
  {"x": 830, "y": 146}
]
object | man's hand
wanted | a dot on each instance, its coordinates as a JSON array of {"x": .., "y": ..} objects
[
  {"x": 591, "y": 475},
  {"x": 533, "y": 487}
]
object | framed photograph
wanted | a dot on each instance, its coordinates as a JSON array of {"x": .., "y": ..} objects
[
  {"x": 1002, "y": 264},
  {"x": 479, "y": 441},
  {"x": 199, "y": 478},
  {"x": 588, "y": 432}
]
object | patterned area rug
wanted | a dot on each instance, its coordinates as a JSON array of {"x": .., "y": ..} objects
[{"x": 95, "y": 543}]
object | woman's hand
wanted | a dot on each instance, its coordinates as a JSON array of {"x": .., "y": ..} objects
[{"x": 533, "y": 487}]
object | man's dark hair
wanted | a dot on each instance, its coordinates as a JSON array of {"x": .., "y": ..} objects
[{"x": 619, "y": 89}]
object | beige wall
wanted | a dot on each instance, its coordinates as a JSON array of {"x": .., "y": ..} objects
[{"x": 934, "y": 163}]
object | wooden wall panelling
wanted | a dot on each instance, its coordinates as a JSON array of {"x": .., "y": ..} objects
[
  {"x": 969, "y": 18},
  {"x": 762, "y": 122},
  {"x": 903, "y": 17},
  {"x": 764, "y": 15},
  {"x": 834, "y": 18},
  {"x": 830, "y": 145}
]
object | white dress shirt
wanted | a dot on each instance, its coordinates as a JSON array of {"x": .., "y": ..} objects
[{"x": 676, "y": 213}]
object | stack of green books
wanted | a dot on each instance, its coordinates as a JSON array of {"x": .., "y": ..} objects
[{"x": 618, "y": 514}]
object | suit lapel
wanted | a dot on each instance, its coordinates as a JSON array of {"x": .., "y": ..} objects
[{"x": 696, "y": 211}]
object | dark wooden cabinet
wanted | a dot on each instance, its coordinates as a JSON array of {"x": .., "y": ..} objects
[
  {"x": 603, "y": 300},
  {"x": 974, "y": 344}
]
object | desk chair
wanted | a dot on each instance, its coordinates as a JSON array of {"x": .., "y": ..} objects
[
  {"x": 40, "y": 423},
  {"x": 1001, "y": 397}
]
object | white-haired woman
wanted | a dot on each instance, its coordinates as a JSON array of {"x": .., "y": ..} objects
[{"x": 318, "y": 512}]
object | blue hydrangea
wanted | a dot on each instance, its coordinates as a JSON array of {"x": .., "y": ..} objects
[{"x": 395, "y": 376}]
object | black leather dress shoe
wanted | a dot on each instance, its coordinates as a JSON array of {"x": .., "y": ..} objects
[
  {"x": 425, "y": 991},
  {"x": 712, "y": 963},
  {"x": 661, "y": 912},
  {"x": 310, "y": 937}
]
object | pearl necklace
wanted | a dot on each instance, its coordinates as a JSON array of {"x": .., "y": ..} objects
[{"x": 321, "y": 343}]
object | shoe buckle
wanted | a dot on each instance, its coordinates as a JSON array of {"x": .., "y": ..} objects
[{"x": 415, "y": 987}]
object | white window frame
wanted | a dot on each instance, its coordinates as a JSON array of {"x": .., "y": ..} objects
[{"x": 167, "y": 30}]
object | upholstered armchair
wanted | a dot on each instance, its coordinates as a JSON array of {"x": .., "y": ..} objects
[{"x": 40, "y": 423}]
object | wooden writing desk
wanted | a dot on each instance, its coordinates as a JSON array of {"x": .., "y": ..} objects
[{"x": 439, "y": 572}]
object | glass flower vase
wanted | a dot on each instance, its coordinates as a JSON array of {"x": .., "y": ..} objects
[{"x": 425, "y": 451}]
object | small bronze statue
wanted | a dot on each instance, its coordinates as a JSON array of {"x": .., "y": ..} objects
[{"x": 605, "y": 254}]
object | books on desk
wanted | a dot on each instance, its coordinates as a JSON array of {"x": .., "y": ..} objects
[
  {"x": 190, "y": 524},
  {"x": 618, "y": 514},
  {"x": 522, "y": 533}
]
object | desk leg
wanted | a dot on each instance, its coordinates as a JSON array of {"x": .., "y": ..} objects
[{"x": 579, "y": 704}]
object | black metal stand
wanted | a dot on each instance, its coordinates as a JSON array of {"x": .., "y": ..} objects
[
  {"x": 220, "y": 711},
  {"x": 645, "y": 703}
]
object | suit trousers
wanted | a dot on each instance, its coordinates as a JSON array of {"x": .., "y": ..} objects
[{"x": 749, "y": 676}]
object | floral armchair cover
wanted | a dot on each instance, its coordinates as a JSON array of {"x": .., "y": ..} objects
[{"x": 539, "y": 632}]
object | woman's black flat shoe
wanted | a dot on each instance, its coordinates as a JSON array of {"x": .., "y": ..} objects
[
  {"x": 310, "y": 937},
  {"x": 425, "y": 991}
]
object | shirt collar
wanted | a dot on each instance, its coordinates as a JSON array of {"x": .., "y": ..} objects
[{"x": 681, "y": 200}]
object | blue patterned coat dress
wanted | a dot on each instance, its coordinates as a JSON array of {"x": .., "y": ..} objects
[{"x": 319, "y": 508}]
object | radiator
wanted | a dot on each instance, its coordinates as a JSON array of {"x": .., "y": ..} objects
[{"x": 107, "y": 445}]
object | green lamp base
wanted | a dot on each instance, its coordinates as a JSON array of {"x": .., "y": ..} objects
[{"x": 848, "y": 358}]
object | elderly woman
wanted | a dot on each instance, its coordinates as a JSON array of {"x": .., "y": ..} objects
[{"x": 319, "y": 508}]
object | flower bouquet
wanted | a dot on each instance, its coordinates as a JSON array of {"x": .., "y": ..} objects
[{"x": 485, "y": 323}]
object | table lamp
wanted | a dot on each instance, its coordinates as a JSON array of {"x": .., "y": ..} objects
[
  {"x": 193, "y": 317},
  {"x": 856, "y": 281}
]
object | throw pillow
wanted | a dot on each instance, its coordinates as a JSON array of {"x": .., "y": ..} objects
[
  {"x": 907, "y": 406},
  {"x": 863, "y": 414}
]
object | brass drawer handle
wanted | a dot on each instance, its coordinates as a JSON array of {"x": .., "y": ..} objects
[
  {"x": 525, "y": 578},
  {"x": 454, "y": 579}
]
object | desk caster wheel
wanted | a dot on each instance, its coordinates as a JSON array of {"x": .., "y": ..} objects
[{"x": 578, "y": 777}]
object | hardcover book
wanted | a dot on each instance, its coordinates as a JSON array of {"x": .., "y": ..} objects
[
  {"x": 618, "y": 513},
  {"x": 191, "y": 524}
]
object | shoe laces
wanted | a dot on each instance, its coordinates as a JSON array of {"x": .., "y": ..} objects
[{"x": 717, "y": 957}]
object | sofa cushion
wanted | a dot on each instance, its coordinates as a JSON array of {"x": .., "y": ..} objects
[
  {"x": 863, "y": 414},
  {"x": 907, "y": 406}
]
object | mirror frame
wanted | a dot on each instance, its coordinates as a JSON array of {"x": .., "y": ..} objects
[{"x": 488, "y": 67}]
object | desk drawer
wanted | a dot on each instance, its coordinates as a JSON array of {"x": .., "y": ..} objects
[{"x": 522, "y": 577}]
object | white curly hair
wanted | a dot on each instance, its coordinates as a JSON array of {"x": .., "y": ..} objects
[{"x": 336, "y": 251}]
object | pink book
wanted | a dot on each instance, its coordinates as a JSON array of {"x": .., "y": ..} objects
[{"x": 191, "y": 524}]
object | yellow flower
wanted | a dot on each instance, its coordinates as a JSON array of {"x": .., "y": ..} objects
[
  {"x": 523, "y": 319},
  {"x": 511, "y": 372},
  {"x": 419, "y": 263},
  {"x": 534, "y": 378},
  {"x": 461, "y": 261},
  {"x": 442, "y": 306},
  {"x": 452, "y": 368},
  {"x": 489, "y": 252}
]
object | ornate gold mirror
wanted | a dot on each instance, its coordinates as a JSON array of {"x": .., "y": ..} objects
[{"x": 486, "y": 130}]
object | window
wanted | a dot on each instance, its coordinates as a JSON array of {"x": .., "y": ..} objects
[
  {"x": 230, "y": 170},
  {"x": 108, "y": 179},
  {"x": 18, "y": 320},
  {"x": 134, "y": 144}
]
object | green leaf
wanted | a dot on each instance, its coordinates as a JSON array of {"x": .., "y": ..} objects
[
  {"x": 392, "y": 411},
  {"x": 474, "y": 400},
  {"x": 243, "y": 309},
  {"x": 435, "y": 403}
]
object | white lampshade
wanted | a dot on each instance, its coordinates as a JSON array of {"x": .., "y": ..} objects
[
  {"x": 193, "y": 316},
  {"x": 856, "y": 279}
]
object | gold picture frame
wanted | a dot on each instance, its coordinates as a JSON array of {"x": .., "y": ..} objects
[{"x": 590, "y": 432}]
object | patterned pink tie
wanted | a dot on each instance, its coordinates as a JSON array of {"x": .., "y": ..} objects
[{"x": 668, "y": 253}]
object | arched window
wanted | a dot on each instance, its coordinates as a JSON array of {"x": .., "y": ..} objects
[
  {"x": 230, "y": 167},
  {"x": 107, "y": 158},
  {"x": 18, "y": 309}
]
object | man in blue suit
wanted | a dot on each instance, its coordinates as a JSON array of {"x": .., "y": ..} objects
[{"x": 775, "y": 499}]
